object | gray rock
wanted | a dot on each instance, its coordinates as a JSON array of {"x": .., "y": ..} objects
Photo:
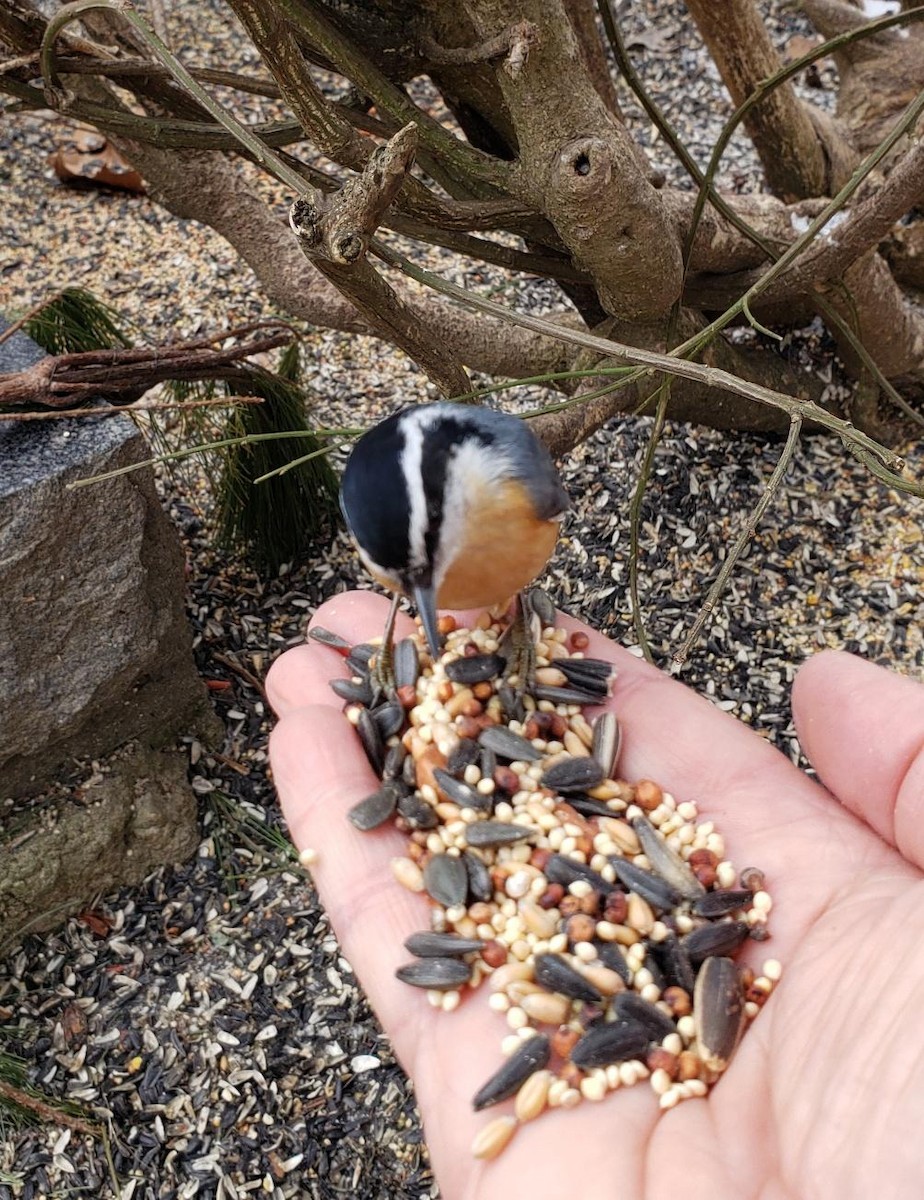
[
  {"x": 96, "y": 648},
  {"x": 95, "y": 654},
  {"x": 121, "y": 824}
]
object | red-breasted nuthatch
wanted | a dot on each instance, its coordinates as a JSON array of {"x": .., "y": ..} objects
[{"x": 454, "y": 506}]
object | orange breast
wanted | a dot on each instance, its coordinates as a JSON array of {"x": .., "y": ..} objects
[{"x": 505, "y": 548}]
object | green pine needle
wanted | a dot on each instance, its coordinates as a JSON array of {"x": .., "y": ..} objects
[
  {"x": 74, "y": 321},
  {"x": 282, "y": 519}
]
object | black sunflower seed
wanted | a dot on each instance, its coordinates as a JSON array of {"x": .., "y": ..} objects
[
  {"x": 441, "y": 945},
  {"x": 446, "y": 879},
  {"x": 540, "y": 603},
  {"x": 610, "y": 1042},
  {"x": 362, "y": 652},
  {"x": 573, "y": 775},
  {"x": 587, "y": 806},
  {"x": 611, "y": 955},
  {"x": 650, "y": 887},
  {"x": 721, "y": 902},
  {"x": 393, "y": 767},
  {"x": 477, "y": 669},
  {"x": 352, "y": 691},
  {"x": 556, "y": 974},
  {"x": 507, "y": 744},
  {"x": 532, "y": 1056},
  {"x": 721, "y": 938},
  {"x": 371, "y": 740},
  {"x": 564, "y": 870},
  {"x": 496, "y": 833},
  {"x": 479, "y": 877},
  {"x": 512, "y": 703},
  {"x": 460, "y": 793},
  {"x": 417, "y": 812},
  {"x": 439, "y": 973},
  {"x": 389, "y": 717},
  {"x": 465, "y": 753},
  {"x": 629, "y": 1006},
  {"x": 324, "y": 637},
  {"x": 375, "y": 809},
  {"x": 674, "y": 962}
]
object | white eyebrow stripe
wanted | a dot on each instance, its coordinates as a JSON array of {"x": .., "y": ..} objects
[{"x": 413, "y": 427}]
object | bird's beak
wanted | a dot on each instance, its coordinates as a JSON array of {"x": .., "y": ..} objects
[{"x": 425, "y": 599}]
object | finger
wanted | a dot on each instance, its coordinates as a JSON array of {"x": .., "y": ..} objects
[
  {"x": 862, "y": 728},
  {"x": 301, "y": 676}
]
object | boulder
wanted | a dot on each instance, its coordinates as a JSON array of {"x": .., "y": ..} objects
[{"x": 95, "y": 647}]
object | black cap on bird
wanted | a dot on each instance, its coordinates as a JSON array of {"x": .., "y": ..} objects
[{"x": 454, "y": 506}]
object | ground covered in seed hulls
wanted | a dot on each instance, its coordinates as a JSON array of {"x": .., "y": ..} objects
[{"x": 207, "y": 1018}]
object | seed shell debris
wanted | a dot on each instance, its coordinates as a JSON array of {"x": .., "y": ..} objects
[{"x": 602, "y": 912}]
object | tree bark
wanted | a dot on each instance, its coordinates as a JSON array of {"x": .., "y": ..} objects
[
  {"x": 578, "y": 167},
  {"x": 780, "y": 126}
]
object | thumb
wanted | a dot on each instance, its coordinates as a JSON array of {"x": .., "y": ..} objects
[{"x": 862, "y": 729}]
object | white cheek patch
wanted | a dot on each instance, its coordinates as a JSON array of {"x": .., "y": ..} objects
[{"x": 473, "y": 470}]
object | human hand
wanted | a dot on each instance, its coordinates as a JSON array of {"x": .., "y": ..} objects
[{"x": 824, "y": 1095}]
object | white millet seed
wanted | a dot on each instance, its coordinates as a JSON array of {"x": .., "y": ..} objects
[
  {"x": 516, "y": 1017},
  {"x": 772, "y": 969}
]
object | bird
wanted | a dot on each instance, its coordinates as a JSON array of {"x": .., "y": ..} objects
[{"x": 453, "y": 506}]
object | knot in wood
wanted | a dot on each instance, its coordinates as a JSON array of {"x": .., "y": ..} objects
[
  {"x": 305, "y": 222},
  {"x": 585, "y": 165},
  {"x": 349, "y": 247}
]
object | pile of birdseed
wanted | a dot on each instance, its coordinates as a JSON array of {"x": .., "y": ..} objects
[{"x": 602, "y": 914}]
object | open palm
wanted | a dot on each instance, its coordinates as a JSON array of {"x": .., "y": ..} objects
[{"x": 825, "y": 1095}]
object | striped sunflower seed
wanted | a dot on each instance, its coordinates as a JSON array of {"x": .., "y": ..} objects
[
  {"x": 406, "y": 663},
  {"x": 718, "y": 1011},
  {"x": 667, "y": 862},
  {"x": 607, "y": 742}
]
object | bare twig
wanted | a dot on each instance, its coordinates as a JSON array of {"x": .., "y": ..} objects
[
  {"x": 118, "y": 410},
  {"x": 47, "y": 1112},
  {"x": 514, "y": 44}
]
